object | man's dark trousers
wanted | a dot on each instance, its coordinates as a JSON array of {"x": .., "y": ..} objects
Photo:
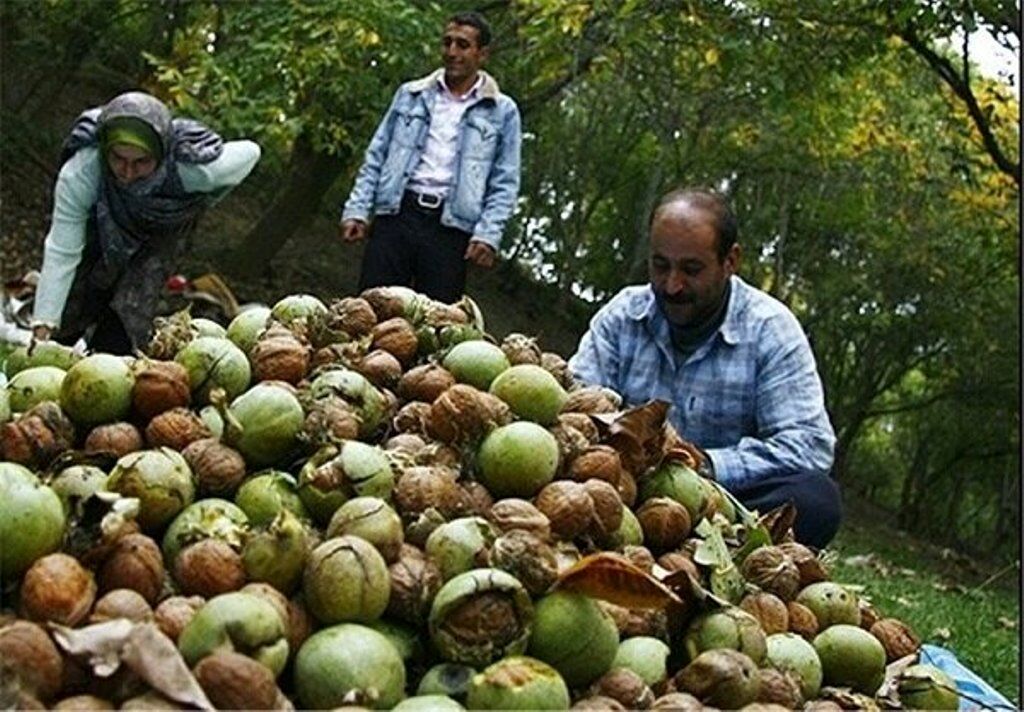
[
  {"x": 413, "y": 249},
  {"x": 816, "y": 498}
]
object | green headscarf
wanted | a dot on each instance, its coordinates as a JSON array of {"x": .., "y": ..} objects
[{"x": 134, "y": 132}]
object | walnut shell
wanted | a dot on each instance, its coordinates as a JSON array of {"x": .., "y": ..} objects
[
  {"x": 415, "y": 580},
  {"x": 59, "y": 589},
  {"x": 176, "y": 428},
  {"x": 411, "y": 418},
  {"x": 607, "y": 508},
  {"x": 233, "y": 681},
  {"x": 208, "y": 568},
  {"x": 869, "y": 615},
  {"x": 39, "y": 435},
  {"x": 590, "y": 399},
  {"x": 679, "y": 702},
  {"x": 811, "y": 569},
  {"x": 639, "y": 556},
  {"x": 898, "y": 638},
  {"x": 463, "y": 414},
  {"x": 121, "y": 603},
  {"x": 420, "y": 488},
  {"x": 802, "y": 620},
  {"x": 118, "y": 439},
  {"x": 218, "y": 468},
  {"x": 136, "y": 563},
  {"x": 679, "y": 560},
  {"x": 582, "y": 423},
  {"x": 425, "y": 383},
  {"x": 28, "y": 654},
  {"x": 478, "y": 500},
  {"x": 557, "y": 367},
  {"x": 278, "y": 355},
  {"x": 597, "y": 461},
  {"x": 398, "y": 337},
  {"x": 381, "y": 368},
  {"x": 772, "y": 570},
  {"x": 160, "y": 386},
  {"x": 637, "y": 621},
  {"x": 665, "y": 522},
  {"x": 769, "y": 610},
  {"x": 597, "y": 703},
  {"x": 568, "y": 507},
  {"x": 513, "y": 513},
  {"x": 627, "y": 489},
  {"x": 779, "y": 687},
  {"x": 386, "y": 304},
  {"x": 527, "y": 557},
  {"x": 409, "y": 443},
  {"x": 353, "y": 315},
  {"x": 174, "y": 613},
  {"x": 625, "y": 687}
]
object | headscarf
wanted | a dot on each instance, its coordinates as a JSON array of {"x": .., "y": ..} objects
[{"x": 130, "y": 131}]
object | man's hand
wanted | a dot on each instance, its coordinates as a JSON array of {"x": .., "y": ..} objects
[
  {"x": 480, "y": 253},
  {"x": 352, "y": 230}
]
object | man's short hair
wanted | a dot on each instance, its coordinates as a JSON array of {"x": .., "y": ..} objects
[
  {"x": 710, "y": 202},
  {"x": 473, "y": 19}
]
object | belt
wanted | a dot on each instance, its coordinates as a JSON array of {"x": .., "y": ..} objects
[{"x": 425, "y": 201}]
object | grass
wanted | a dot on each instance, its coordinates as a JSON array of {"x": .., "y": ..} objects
[{"x": 948, "y": 602}]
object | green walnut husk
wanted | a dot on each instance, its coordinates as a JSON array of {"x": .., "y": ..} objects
[
  {"x": 646, "y": 656},
  {"x": 517, "y": 460},
  {"x": 264, "y": 423},
  {"x": 160, "y": 479},
  {"x": 448, "y": 679},
  {"x": 372, "y": 519},
  {"x": 35, "y": 385},
  {"x": 349, "y": 664},
  {"x": 629, "y": 533},
  {"x": 676, "y": 481},
  {"x": 789, "y": 651},
  {"x": 730, "y": 628},
  {"x": 236, "y": 622},
  {"x": 481, "y": 616},
  {"x": 405, "y": 638},
  {"x": 44, "y": 353},
  {"x": 265, "y": 494},
  {"x": 428, "y": 703},
  {"x": 210, "y": 518},
  {"x": 97, "y": 390},
  {"x": 460, "y": 545},
  {"x": 831, "y": 604},
  {"x": 5, "y": 405},
  {"x": 245, "y": 328},
  {"x": 851, "y": 657},
  {"x": 335, "y": 474},
  {"x": 518, "y": 683},
  {"x": 76, "y": 483},
  {"x": 475, "y": 362},
  {"x": 277, "y": 554},
  {"x": 214, "y": 362},
  {"x": 575, "y": 636},
  {"x": 531, "y": 392},
  {"x": 293, "y": 307},
  {"x": 32, "y": 520},
  {"x": 926, "y": 687},
  {"x": 356, "y": 390},
  {"x": 346, "y": 579}
]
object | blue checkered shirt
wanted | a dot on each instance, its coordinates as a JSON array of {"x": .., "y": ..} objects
[{"x": 750, "y": 396}]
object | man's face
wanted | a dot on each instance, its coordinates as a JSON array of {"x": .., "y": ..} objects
[
  {"x": 461, "y": 52},
  {"x": 129, "y": 163},
  {"x": 685, "y": 271}
]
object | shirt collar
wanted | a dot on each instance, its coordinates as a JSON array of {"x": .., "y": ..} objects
[
  {"x": 646, "y": 309},
  {"x": 471, "y": 94}
]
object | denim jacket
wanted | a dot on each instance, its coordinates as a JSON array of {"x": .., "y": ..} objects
[{"x": 486, "y": 173}]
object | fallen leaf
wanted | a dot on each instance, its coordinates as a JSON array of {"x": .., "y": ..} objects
[
  {"x": 942, "y": 633},
  {"x": 904, "y": 601},
  {"x": 611, "y": 578},
  {"x": 1007, "y": 622}
]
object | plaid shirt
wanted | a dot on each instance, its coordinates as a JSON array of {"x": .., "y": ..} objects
[{"x": 750, "y": 396}]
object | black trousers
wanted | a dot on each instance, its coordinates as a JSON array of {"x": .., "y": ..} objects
[
  {"x": 413, "y": 249},
  {"x": 817, "y": 500}
]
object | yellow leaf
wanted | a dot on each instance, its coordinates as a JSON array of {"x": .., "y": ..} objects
[{"x": 711, "y": 56}]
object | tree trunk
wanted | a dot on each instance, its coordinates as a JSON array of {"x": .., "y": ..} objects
[{"x": 310, "y": 175}]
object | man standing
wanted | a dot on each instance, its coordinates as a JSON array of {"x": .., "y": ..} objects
[
  {"x": 441, "y": 174},
  {"x": 732, "y": 361}
]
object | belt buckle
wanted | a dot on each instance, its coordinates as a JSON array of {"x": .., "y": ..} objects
[{"x": 428, "y": 201}]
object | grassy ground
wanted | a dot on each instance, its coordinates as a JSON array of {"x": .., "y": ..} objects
[{"x": 949, "y": 601}]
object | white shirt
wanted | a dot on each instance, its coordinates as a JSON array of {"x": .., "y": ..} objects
[{"x": 433, "y": 174}]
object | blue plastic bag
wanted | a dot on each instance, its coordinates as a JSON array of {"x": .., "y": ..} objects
[{"x": 975, "y": 693}]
